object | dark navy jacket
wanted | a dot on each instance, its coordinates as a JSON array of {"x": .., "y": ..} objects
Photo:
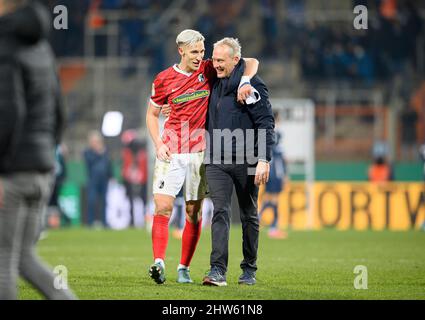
[
  {"x": 224, "y": 112},
  {"x": 99, "y": 167}
]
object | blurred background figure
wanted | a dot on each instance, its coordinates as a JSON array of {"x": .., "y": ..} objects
[
  {"x": 56, "y": 216},
  {"x": 178, "y": 216},
  {"x": 380, "y": 170},
  {"x": 409, "y": 145},
  {"x": 31, "y": 124},
  {"x": 134, "y": 170},
  {"x": 207, "y": 213},
  {"x": 276, "y": 184},
  {"x": 149, "y": 213},
  {"x": 422, "y": 155},
  {"x": 178, "y": 220},
  {"x": 99, "y": 172}
]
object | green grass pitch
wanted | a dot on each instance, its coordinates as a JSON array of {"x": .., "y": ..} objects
[{"x": 308, "y": 265}]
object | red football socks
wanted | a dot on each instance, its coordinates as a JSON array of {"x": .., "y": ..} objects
[
  {"x": 191, "y": 235},
  {"x": 160, "y": 236}
]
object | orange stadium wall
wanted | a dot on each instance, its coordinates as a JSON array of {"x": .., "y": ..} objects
[{"x": 352, "y": 206}]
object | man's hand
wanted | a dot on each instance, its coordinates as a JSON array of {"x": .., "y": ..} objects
[
  {"x": 244, "y": 92},
  {"x": 166, "y": 110},
  {"x": 262, "y": 173},
  {"x": 163, "y": 153}
]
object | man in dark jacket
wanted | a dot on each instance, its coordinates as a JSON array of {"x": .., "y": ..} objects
[
  {"x": 241, "y": 138},
  {"x": 30, "y": 127},
  {"x": 99, "y": 172}
]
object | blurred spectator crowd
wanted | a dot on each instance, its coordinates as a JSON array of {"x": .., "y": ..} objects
[
  {"x": 136, "y": 35},
  {"x": 324, "y": 49},
  {"x": 385, "y": 49}
]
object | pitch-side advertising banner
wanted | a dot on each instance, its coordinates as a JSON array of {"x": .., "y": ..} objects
[{"x": 352, "y": 206}]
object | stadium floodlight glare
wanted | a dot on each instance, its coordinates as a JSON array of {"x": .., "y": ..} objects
[{"x": 112, "y": 123}]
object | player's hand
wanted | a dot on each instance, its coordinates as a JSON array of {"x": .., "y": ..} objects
[
  {"x": 166, "y": 110},
  {"x": 244, "y": 92},
  {"x": 163, "y": 153},
  {"x": 262, "y": 173}
]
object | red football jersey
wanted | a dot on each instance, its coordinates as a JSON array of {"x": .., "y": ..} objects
[{"x": 188, "y": 95}]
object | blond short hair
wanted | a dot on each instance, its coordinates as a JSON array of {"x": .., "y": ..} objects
[
  {"x": 233, "y": 44},
  {"x": 189, "y": 37}
]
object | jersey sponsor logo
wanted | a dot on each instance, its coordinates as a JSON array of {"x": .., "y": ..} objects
[{"x": 191, "y": 96}]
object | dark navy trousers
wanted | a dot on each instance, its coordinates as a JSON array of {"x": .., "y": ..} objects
[{"x": 221, "y": 179}]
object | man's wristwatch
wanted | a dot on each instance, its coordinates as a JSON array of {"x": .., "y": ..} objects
[{"x": 263, "y": 160}]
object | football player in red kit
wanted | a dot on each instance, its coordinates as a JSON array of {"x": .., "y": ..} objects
[{"x": 180, "y": 149}]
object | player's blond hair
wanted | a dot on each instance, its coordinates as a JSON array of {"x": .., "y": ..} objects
[
  {"x": 233, "y": 44},
  {"x": 189, "y": 37}
]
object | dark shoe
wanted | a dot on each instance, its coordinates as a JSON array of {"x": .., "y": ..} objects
[
  {"x": 215, "y": 277},
  {"x": 247, "y": 277},
  {"x": 157, "y": 273}
]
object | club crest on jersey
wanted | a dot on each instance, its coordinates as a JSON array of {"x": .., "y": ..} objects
[{"x": 201, "y": 78}]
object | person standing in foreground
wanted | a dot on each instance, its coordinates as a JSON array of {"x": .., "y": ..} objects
[
  {"x": 180, "y": 150},
  {"x": 232, "y": 161},
  {"x": 31, "y": 119}
]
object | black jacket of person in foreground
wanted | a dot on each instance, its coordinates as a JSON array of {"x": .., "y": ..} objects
[
  {"x": 225, "y": 112},
  {"x": 31, "y": 113}
]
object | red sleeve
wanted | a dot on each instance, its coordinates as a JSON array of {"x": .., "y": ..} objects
[
  {"x": 209, "y": 70},
  {"x": 159, "y": 92}
]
